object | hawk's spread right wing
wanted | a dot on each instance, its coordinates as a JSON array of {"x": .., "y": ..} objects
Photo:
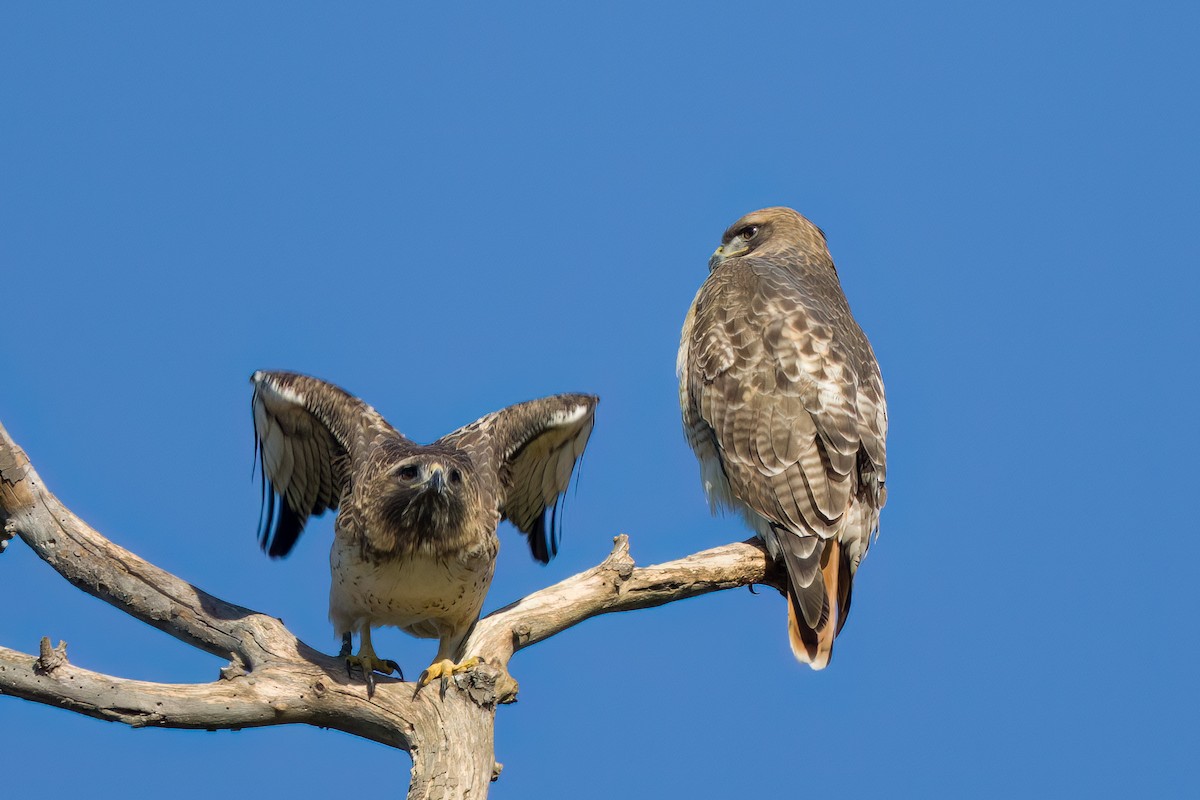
[
  {"x": 307, "y": 433},
  {"x": 535, "y": 446}
]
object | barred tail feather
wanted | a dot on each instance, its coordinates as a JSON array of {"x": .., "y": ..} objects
[{"x": 817, "y": 602}]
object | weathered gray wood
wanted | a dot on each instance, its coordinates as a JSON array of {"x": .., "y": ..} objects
[{"x": 275, "y": 679}]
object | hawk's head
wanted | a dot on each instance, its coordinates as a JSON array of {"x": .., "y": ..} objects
[
  {"x": 427, "y": 499},
  {"x": 768, "y": 232}
]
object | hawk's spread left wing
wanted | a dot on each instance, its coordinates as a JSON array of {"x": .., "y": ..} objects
[{"x": 536, "y": 445}]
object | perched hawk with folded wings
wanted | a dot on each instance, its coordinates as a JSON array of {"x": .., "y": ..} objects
[
  {"x": 783, "y": 404},
  {"x": 415, "y": 537}
]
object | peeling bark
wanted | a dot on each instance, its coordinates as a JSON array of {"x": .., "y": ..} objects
[{"x": 273, "y": 678}]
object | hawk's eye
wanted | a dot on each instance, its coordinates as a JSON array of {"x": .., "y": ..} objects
[
  {"x": 409, "y": 472},
  {"x": 749, "y": 232},
  {"x": 455, "y": 476}
]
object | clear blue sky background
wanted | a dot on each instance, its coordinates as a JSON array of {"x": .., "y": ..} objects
[{"x": 447, "y": 210}]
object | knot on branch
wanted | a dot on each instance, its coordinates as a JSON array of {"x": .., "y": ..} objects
[
  {"x": 14, "y": 469},
  {"x": 134, "y": 717},
  {"x": 236, "y": 668},
  {"x": 6, "y": 533},
  {"x": 487, "y": 685},
  {"x": 15, "y": 492},
  {"x": 619, "y": 561},
  {"x": 13, "y": 463},
  {"x": 50, "y": 658}
]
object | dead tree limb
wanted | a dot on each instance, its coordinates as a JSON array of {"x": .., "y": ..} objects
[{"x": 273, "y": 678}]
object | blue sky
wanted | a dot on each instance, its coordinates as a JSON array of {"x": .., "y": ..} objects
[{"x": 447, "y": 210}]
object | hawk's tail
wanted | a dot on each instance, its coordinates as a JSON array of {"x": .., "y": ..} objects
[{"x": 818, "y": 596}]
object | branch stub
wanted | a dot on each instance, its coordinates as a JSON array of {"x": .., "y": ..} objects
[{"x": 50, "y": 658}]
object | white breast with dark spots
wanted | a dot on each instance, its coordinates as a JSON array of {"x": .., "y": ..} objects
[{"x": 424, "y": 595}]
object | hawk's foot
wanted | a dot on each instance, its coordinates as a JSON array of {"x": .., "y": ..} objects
[
  {"x": 367, "y": 660},
  {"x": 369, "y": 663},
  {"x": 444, "y": 669}
]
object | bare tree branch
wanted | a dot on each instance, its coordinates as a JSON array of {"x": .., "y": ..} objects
[
  {"x": 273, "y": 678},
  {"x": 224, "y": 704},
  {"x": 617, "y": 585},
  {"x": 117, "y": 576}
]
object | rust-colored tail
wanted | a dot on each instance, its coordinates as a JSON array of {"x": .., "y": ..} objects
[{"x": 817, "y": 603}]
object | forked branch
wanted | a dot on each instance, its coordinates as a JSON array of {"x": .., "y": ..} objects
[{"x": 273, "y": 678}]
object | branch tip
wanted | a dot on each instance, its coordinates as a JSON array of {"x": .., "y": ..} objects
[{"x": 49, "y": 658}]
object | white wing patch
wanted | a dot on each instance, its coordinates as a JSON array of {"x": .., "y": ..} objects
[{"x": 568, "y": 417}]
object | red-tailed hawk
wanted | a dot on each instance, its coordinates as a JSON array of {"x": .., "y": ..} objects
[
  {"x": 783, "y": 404},
  {"x": 415, "y": 537}
]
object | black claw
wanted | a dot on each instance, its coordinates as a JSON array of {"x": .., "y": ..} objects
[
  {"x": 370, "y": 683},
  {"x": 393, "y": 665},
  {"x": 751, "y": 588}
]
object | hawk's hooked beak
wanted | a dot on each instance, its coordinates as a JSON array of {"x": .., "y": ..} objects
[
  {"x": 723, "y": 252},
  {"x": 437, "y": 478}
]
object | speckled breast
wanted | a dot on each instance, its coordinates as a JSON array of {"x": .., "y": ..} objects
[{"x": 425, "y": 595}]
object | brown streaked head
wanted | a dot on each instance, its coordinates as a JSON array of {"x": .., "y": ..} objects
[
  {"x": 426, "y": 498},
  {"x": 768, "y": 231}
]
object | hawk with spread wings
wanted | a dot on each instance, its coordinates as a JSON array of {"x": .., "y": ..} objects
[
  {"x": 783, "y": 403},
  {"x": 415, "y": 537}
]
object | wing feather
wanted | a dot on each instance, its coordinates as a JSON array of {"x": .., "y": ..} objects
[
  {"x": 773, "y": 380},
  {"x": 307, "y": 474},
  {"x": 307, "y": 433},
  {"x": 534, "y": 447}
]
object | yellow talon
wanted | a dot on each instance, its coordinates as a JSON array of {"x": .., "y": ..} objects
[
  {"x": 367, "y": 660},
  {"x": 369, "y": 663},
  {"x": 444, "y": 669}
]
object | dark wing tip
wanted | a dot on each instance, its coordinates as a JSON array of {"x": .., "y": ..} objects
[
  {"x": 541, "y": 546},
  {"x": 279, "y": 524},
  {"x": 288, "y": 527},
  {"x": 545, "y": 533}
]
